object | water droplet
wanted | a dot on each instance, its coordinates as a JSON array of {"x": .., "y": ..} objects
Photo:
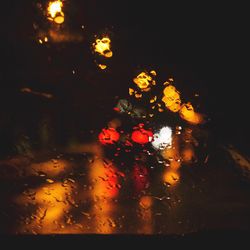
[
  {"x": 49, "y": 181},
  {"x": 90, "y": 159},
  {"x": 29, "y": 192},
  {"x": 111, "y": 222},
  {"x": 161, "y": 161},
  {"x": 71, "y": 180},
  {"x": 41, "y": 174},
  {"x": 178, "y": 128},
  {"x": 55, "y": 161},
  {"x": 206, "y": 159},
  {"x": 158, "y": 214}
]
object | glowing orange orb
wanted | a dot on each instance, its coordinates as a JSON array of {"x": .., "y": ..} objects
[
  {"x": 142, "y": 136},
  {"x": 108, "y": 136}
]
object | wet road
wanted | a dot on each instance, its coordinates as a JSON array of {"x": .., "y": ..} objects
[{"x": 86, "y": 187}]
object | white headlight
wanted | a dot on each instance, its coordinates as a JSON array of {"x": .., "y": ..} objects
[{"x": 163, "y": 138}]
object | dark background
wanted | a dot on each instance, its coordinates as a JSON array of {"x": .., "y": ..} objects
[{"x": 203, "y": 45}]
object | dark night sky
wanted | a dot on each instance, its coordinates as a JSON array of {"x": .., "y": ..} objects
[{"x": 205, "y": 41}]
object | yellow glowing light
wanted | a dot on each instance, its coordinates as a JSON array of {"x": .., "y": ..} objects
[
  {"x": 144, "y": 81},
  {"x": 172, "y": 105},
  {"x": 153, "y": 72},
  {"x": 54, "y": 8},
  {"x": 55, "y": 11},
  {"x": 188, "y": 114},
  {"x": 131, "y": 91},
  {"x": 51, "y": 194},
  {"x": 59, "y": 19},
  {"x": 171, "y": 98},
  {"x": 138, "y": 95},
  {"x": 102, "y": 66},
  {"x": 104, "y": 181},
  {"x": 171, "y": 91},
  {"x": 152, "y": 100},
  {"x": 51, "y": 200},
  {"x": 103, "y": 47},
  {"x": 51, "y": 203}
]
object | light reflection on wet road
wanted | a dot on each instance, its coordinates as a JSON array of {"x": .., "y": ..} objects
[{"x": 80, "y": 190}]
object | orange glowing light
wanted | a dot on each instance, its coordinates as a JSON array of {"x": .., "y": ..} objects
[
  {"x": 50, "y": 200},
  {"x": 55, "y": 12},
  {"x": 146, "y": 202},
  {"x": 144, "y": 81},
  {"x": 145, "y": 215},
  {"x": 188, "y": 114},
  {"x": 105, "y": 179},
  {"x": 105, "y": 187},
  {"x": 108, "y": 136},
  {"x": 171, "y": 177},
  {"x": 172, "y": 155},
  {"x": 171, "y": 98},
  {"x": 103, "y": 46},
  {"x": 187, "y": 154}
]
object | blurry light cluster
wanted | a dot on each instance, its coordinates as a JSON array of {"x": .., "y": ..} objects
[
  {"x": 170, "y": 147},
  {"x": 55, "y": 13},
  {"x": 108, "y": 136},
  {"x": 144, "y": 82},
  {"x": 43, "y": 40},
  {"x": 139, "y": 135},
  {"x": 102, "y": 48},
  {"x": 169, "y": 97},
  {"x": 172, "y": 100}
]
